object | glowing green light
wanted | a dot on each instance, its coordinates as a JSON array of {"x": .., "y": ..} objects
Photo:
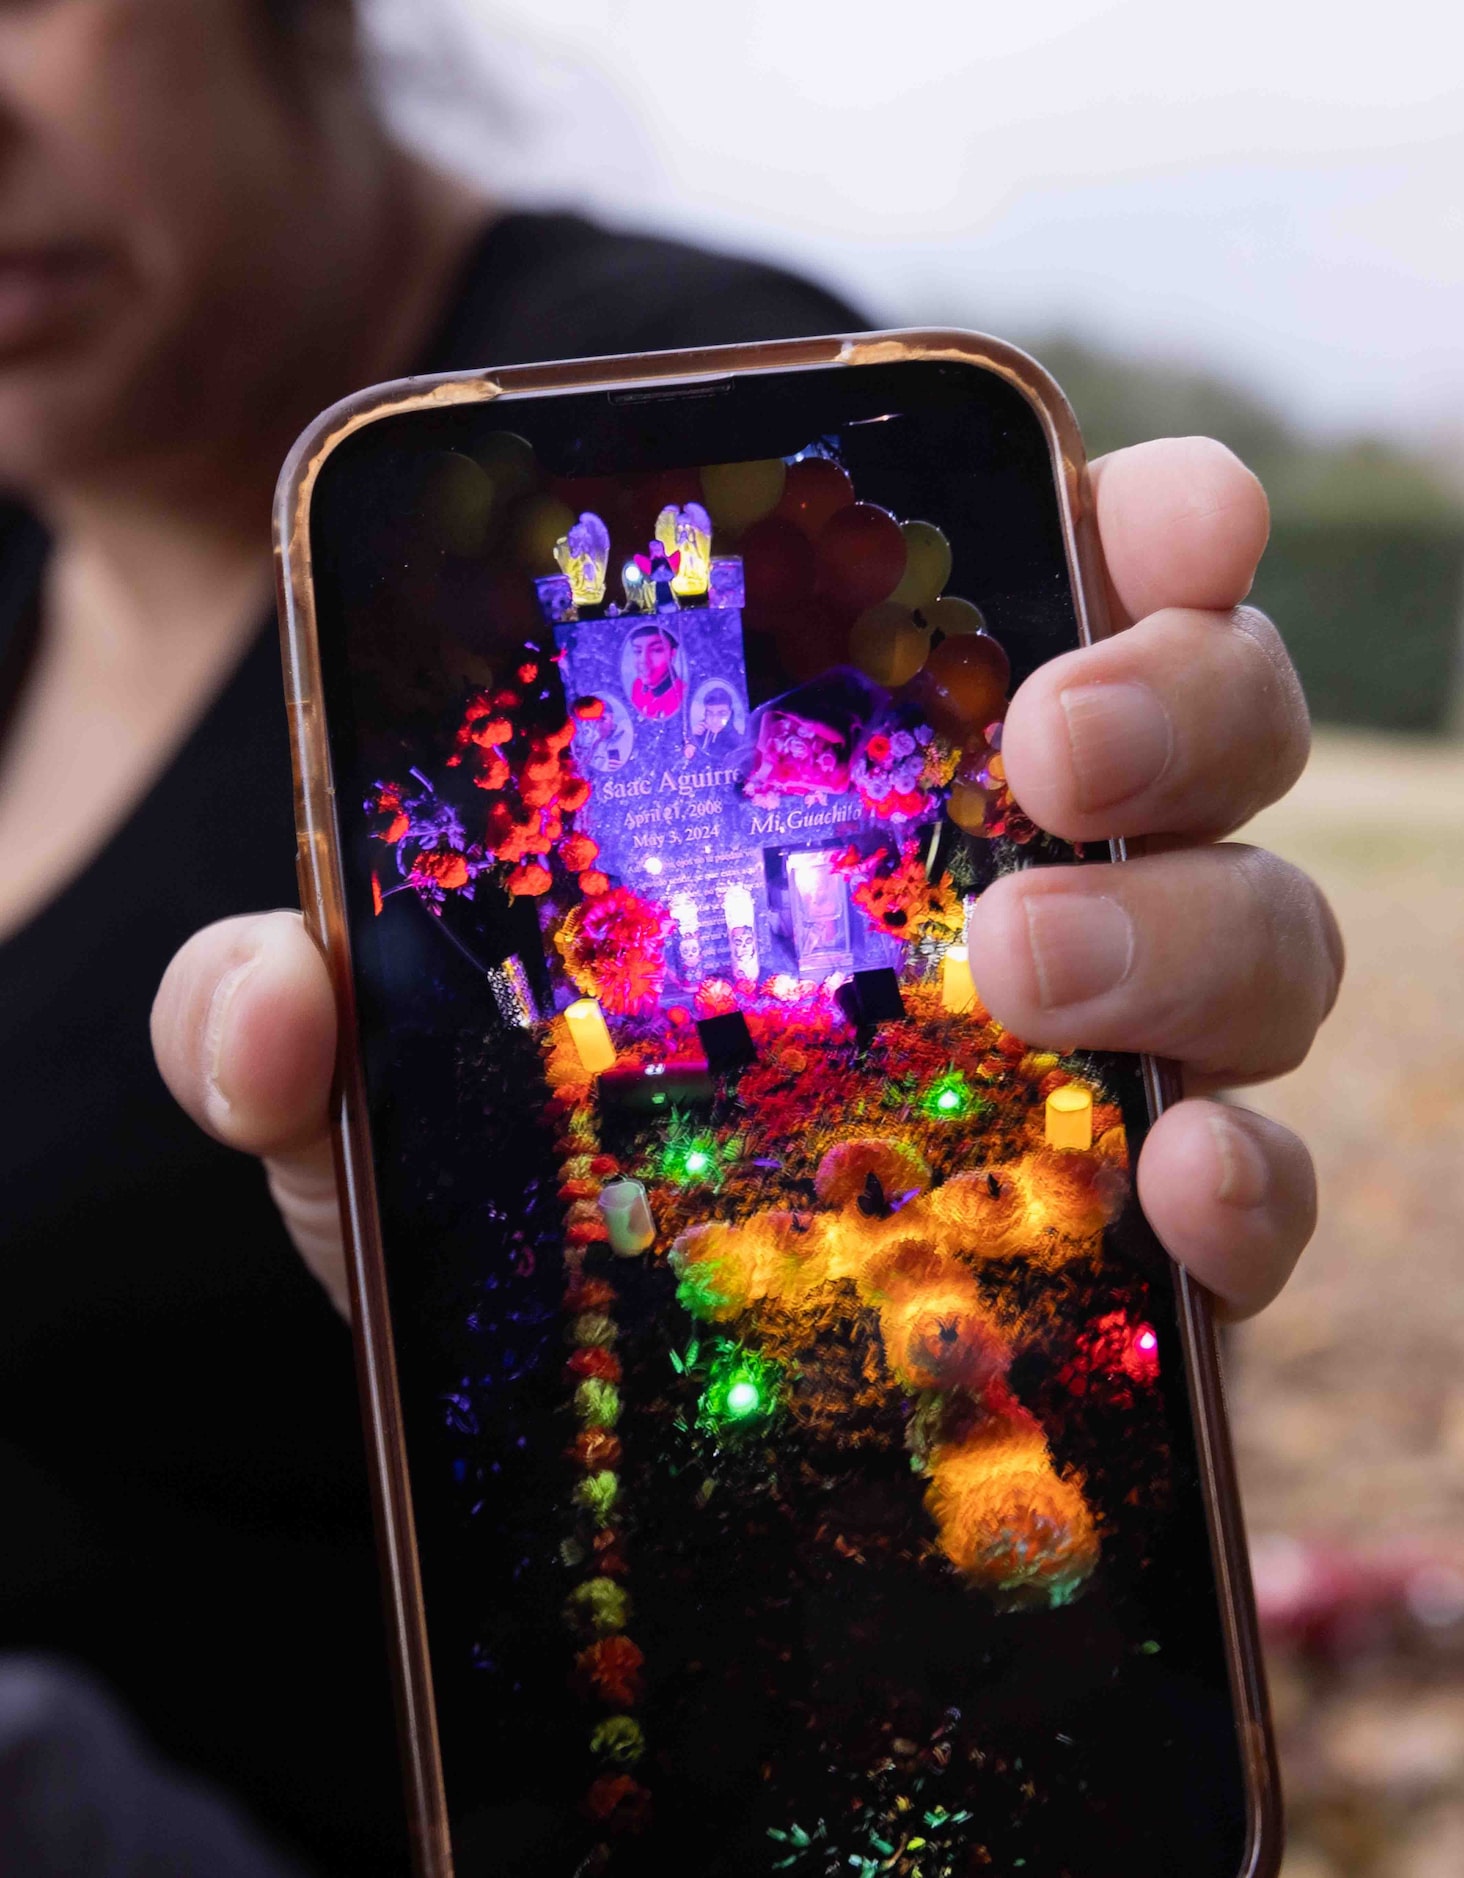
[
  {"x": 742, "y": 1392},
  {"x": 743, "y": 1398},
  {"x": 698, "y": 1161},
  {"x": 951, "y": 1097}
]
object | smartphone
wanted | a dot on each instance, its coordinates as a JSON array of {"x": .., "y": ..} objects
[{"x": 793, "y": 1450}]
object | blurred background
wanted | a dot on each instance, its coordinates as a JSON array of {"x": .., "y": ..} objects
[{"x": 1247, "y": 223}]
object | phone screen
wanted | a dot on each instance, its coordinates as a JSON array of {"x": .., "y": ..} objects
[{"x": 795, "y": 1406}]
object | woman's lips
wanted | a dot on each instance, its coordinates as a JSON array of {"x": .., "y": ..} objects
[{"x": 39, "y": 289}]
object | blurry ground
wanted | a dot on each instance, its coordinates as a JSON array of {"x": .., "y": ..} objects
[{"x": 1348, "y": 1394}]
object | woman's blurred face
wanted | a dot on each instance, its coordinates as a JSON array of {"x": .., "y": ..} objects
[{"x": 159, "y": 228}]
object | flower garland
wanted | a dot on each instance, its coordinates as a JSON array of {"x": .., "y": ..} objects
[{"x": 608, "y": 1664}]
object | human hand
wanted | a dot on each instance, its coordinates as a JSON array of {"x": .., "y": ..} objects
[{"x": 1214, "y": 954}]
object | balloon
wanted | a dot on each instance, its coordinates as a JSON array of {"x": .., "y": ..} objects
[
  {"x": 815, "y": 490},
  {"x": 457, "y": 498},
  {"x": 927, "y": 565},
  {"x": 739, "y": 494},
  {"x": 510, "y": 463},
  {"x": 953, "y": 617},
  {"x": 887, "y": 645},
  {"x": 540, "y": 522},
  {"x": 963, "y": 684},
  {"x": 647, "y": 495},
  {"x": 966, "y": 806},
  {"x": 778, "y": 565},
  {"x": 811, "y": 637},
  {"x": 861, "y": 556}
]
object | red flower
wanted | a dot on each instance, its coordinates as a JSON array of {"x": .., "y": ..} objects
[
  {"x": 611, "y": 1669},
  {"x": 620, "y": 1803},
  {"x": 604, "y": 1364}
]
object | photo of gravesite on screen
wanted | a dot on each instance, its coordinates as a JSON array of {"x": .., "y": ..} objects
[{"x": 796, "y": 1410}]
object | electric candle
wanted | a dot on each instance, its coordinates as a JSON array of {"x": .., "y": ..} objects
[
  {"x": 627, "y": 1215},
  {"x": 688, "y": 927},
  {"x": 741, "y": 931},
  {"x": 590, "y": 1034},
  {"x": 957, "y": 987},
  {"x": 1070, "y": 1117}
]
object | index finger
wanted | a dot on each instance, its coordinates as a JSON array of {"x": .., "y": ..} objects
[{"x": 1183, "y": 523}]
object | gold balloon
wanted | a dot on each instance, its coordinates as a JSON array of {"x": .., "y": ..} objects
[
  {"x": 887, "y": 645},
  {"x": 739, "y": 494},
  {"x": 458, "y": 497},
  {"x": 952, "y": 617},
  {"x": 510, "y": 461},
  {"x": 542, "y": 522},
  {"x": 927, "y": 565},
  {"x": 966, "y": 806}
]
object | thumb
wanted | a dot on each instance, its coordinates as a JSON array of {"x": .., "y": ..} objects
[{"x": 244, "y": 1031}]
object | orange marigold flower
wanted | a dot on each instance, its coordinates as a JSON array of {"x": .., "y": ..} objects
[
  {"x": 587, "y": 1232},
  {"x": 528, "y": 877},
  {"x": 574, "y": 793},
  {"x": 578, "y": 852},
  {"x": 594, "y": 883},
  {"x": 594, "y": 1449},
  {"x": 589, "y": 1294},
  {"x": 444, "y": 865},
  {"x": 494, "y": 773}
]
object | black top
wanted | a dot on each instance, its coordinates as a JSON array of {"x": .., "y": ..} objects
[{"x": 185, "y": 1502}]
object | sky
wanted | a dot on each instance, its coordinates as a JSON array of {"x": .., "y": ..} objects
[{"x": 1274, "y": 189}]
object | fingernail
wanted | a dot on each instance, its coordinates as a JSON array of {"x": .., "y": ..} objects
[
  {"x": 217, "y": 1106},
  {"x": 1120, "y": 739},
  {"x": 1082, "y": 945},
  {"x": 1245, "y": 1175}
]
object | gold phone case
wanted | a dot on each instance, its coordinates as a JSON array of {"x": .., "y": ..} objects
[{"x": 323, "y": 901}]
